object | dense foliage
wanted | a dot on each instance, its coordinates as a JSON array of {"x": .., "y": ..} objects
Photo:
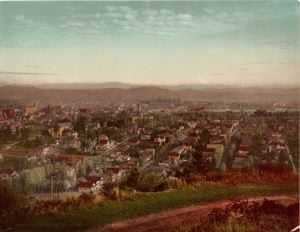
[
  {"x": 14, "y": 207},
  {"x": 244, "y": 216},
  {"x": 57, "y": 205}
]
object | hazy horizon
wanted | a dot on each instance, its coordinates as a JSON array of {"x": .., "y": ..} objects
[
  {"x": 150, "y": 43},
  {"x": 127, "y": 85}
]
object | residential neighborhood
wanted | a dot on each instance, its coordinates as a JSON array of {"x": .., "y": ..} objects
[{"x": 62, "y": 148}]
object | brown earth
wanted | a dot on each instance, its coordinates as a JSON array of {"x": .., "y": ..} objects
[{"x": 171, "y": 219}]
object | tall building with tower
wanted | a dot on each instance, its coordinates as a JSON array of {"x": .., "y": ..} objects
[{"x": 31, "y": 109}]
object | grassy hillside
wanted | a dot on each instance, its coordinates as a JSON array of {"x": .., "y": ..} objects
[
  {"x": 111, "y": 211},
  {"x": 244, "y": 216}
]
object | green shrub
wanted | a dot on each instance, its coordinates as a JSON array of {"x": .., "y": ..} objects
[{"x": 14, "y": 207}]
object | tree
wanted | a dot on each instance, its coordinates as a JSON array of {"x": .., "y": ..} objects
[
  {"x": 143, "y": 181},
  {"x": 256, "y": 144},
  {"x": 110, "y": 189},
  {"x": 84, "y": 168},
  {"x": 185, "y": 169},
  {"x": 205, "y": 136},
  {"x": 13, "y": 208},
  {"x": 150, "y": 182},
  {"x": 232, "y": 147},
  {"x": 218, "y": 155},
  {"x": 135, "y": 152},
  {"x": 113, "y": 133},
  {"x": 132, "y": 177},
  {"x": 92, "y": 134},
  {"x": 201, "y": 164},
  {"x": 123, "y": 120},
  {"x": 5, "y": 134},
  {"x": 80, "y": 124},
  {"x": 99, "y": 117}
]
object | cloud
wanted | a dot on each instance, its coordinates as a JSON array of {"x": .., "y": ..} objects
[
  {"x": 72, "y": 24},
  {"x": 112, "y": 15},
  {"x": 163, "y": 22},
  {"x": 24, "y": 73},
  {"x": 166, "y": 12},
  {"x": 187, "y": 17},
  {"x": 23, "y": 20},
  {"x": 75, "y": 25},
  {"x": 208, "y": 11}
]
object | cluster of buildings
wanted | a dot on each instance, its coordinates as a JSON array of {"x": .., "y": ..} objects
[
  {"x": 100, "y": 143},
  {"x": 264, "y": 140},
  {"x": 275, "y": 149}
]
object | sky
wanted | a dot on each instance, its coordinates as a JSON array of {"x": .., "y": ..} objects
[{"x": 238, "y": 43}]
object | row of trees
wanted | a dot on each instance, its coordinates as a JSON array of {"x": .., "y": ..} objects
[
  {"x": 121, "y": 120},
  {"x": 40, "y": 179}
]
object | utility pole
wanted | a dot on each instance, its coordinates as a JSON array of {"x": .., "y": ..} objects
[{"x": 51, "y": 187}]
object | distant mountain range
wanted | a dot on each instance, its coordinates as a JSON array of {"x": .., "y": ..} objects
[
  {"x": 120, "y": 85},
  {"x": 87, "y": 85},
  {"x": 123, "y": 93}
]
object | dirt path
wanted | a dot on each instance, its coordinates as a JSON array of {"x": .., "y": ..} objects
[{"x": 167, "y": 220}]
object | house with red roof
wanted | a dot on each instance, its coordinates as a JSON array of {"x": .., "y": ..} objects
[
  {"x": 7, "y": 174},
  {"x": 276, "y": 146},
  {"x": 90, "y": 184},
  {"x": 175, "y": 154}
]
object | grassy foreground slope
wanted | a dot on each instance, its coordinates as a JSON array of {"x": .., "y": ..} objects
[
  {"x": 245, "y": 216},
  {"x": 111, "y": 211}
]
